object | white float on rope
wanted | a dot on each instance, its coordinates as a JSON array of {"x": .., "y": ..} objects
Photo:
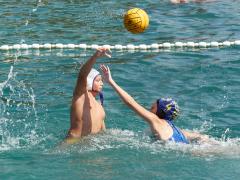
[{"x": 140, "y": 47}]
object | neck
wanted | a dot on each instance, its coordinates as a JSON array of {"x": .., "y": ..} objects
[{"x": 94, "y": 93}]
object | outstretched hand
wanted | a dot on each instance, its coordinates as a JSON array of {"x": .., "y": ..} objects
[
  {"x": 106, "y": 73},
  {"x": 103, "y": 52}
]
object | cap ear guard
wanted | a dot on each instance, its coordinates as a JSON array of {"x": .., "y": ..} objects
[
  {"x": 167, "y": 108},
  {"x": 90, "y": 78}
]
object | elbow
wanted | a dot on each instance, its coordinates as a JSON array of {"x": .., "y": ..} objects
[
  {"x": 129, "y": 103},
  {"x": 81, "y": 75}
]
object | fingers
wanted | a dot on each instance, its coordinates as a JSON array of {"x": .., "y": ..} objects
[
  {"x": 103, "y": 68},
  {"x": 108, "y": 69},
  {"x": 105, "y": 51},
  {"x": 108, "y": 55}
]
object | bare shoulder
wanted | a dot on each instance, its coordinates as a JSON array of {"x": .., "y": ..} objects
[
  {"x": 156, "y": 122},
  {"x": 78, "y": 98}
]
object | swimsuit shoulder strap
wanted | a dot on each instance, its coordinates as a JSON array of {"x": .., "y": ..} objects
[{"x": 177, "y": 134}]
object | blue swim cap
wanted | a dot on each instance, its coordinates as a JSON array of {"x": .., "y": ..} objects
[{"x": 168, "y": 108}]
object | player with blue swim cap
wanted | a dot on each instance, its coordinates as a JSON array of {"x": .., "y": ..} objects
[
  {"x": 161, "y": 116},
  {"x": 168, "y": 109}
]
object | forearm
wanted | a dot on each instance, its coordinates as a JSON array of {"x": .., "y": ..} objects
[
  {"x": 200, "y": 137},
  {"x": 127, "y": 99},
  {"x": 195, "y": 136},
  {"x": 86, "y": 68},
  {"x": 82, "y": 76},
  {"x": 130, "y": 102}
]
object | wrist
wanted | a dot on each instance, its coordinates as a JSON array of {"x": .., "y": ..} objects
[
  {"x": 111, "y": 82},
  {"x": 95, "y": 55}
]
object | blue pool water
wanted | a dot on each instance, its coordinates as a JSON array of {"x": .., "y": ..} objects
[{"x": 36, "y": 88}]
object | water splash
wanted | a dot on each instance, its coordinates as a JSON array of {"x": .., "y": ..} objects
[
  {"x": 39, "y": 4},
  {"x": 19, "y": 124},
  {"x": 125, "y": 139},
  {"x": 2, "y": 85}
]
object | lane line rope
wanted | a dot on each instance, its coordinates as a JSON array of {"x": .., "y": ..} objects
[{"x": 153, "y": 46}]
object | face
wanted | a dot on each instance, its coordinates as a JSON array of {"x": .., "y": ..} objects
[
  {"x": 154, "y": 108},
  {"x": 98, "y": 83}
]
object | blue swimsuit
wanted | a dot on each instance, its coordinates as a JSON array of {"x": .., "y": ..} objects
[{"x": 177, "y": 134}]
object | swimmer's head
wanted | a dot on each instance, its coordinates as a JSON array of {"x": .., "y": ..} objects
[
  {"x": 179, "y": 1},
  {"x": 94, "y": 81},
  {"x": 166, "y": 108}
]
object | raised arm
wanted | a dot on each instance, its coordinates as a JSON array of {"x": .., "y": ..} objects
[
  {"x": 86, "y": 68},
  {"x": 128, "y": 100}
]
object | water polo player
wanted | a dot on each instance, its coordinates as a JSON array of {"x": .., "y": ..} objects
[
  {"x": 161, "y": 116},
  {"x": 87, "y": 114}
]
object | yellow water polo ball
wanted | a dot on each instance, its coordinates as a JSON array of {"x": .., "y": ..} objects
[{"x": 136, "y": 20}]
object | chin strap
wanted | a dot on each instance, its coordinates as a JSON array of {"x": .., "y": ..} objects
[{"x": 101, "y": 98}]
